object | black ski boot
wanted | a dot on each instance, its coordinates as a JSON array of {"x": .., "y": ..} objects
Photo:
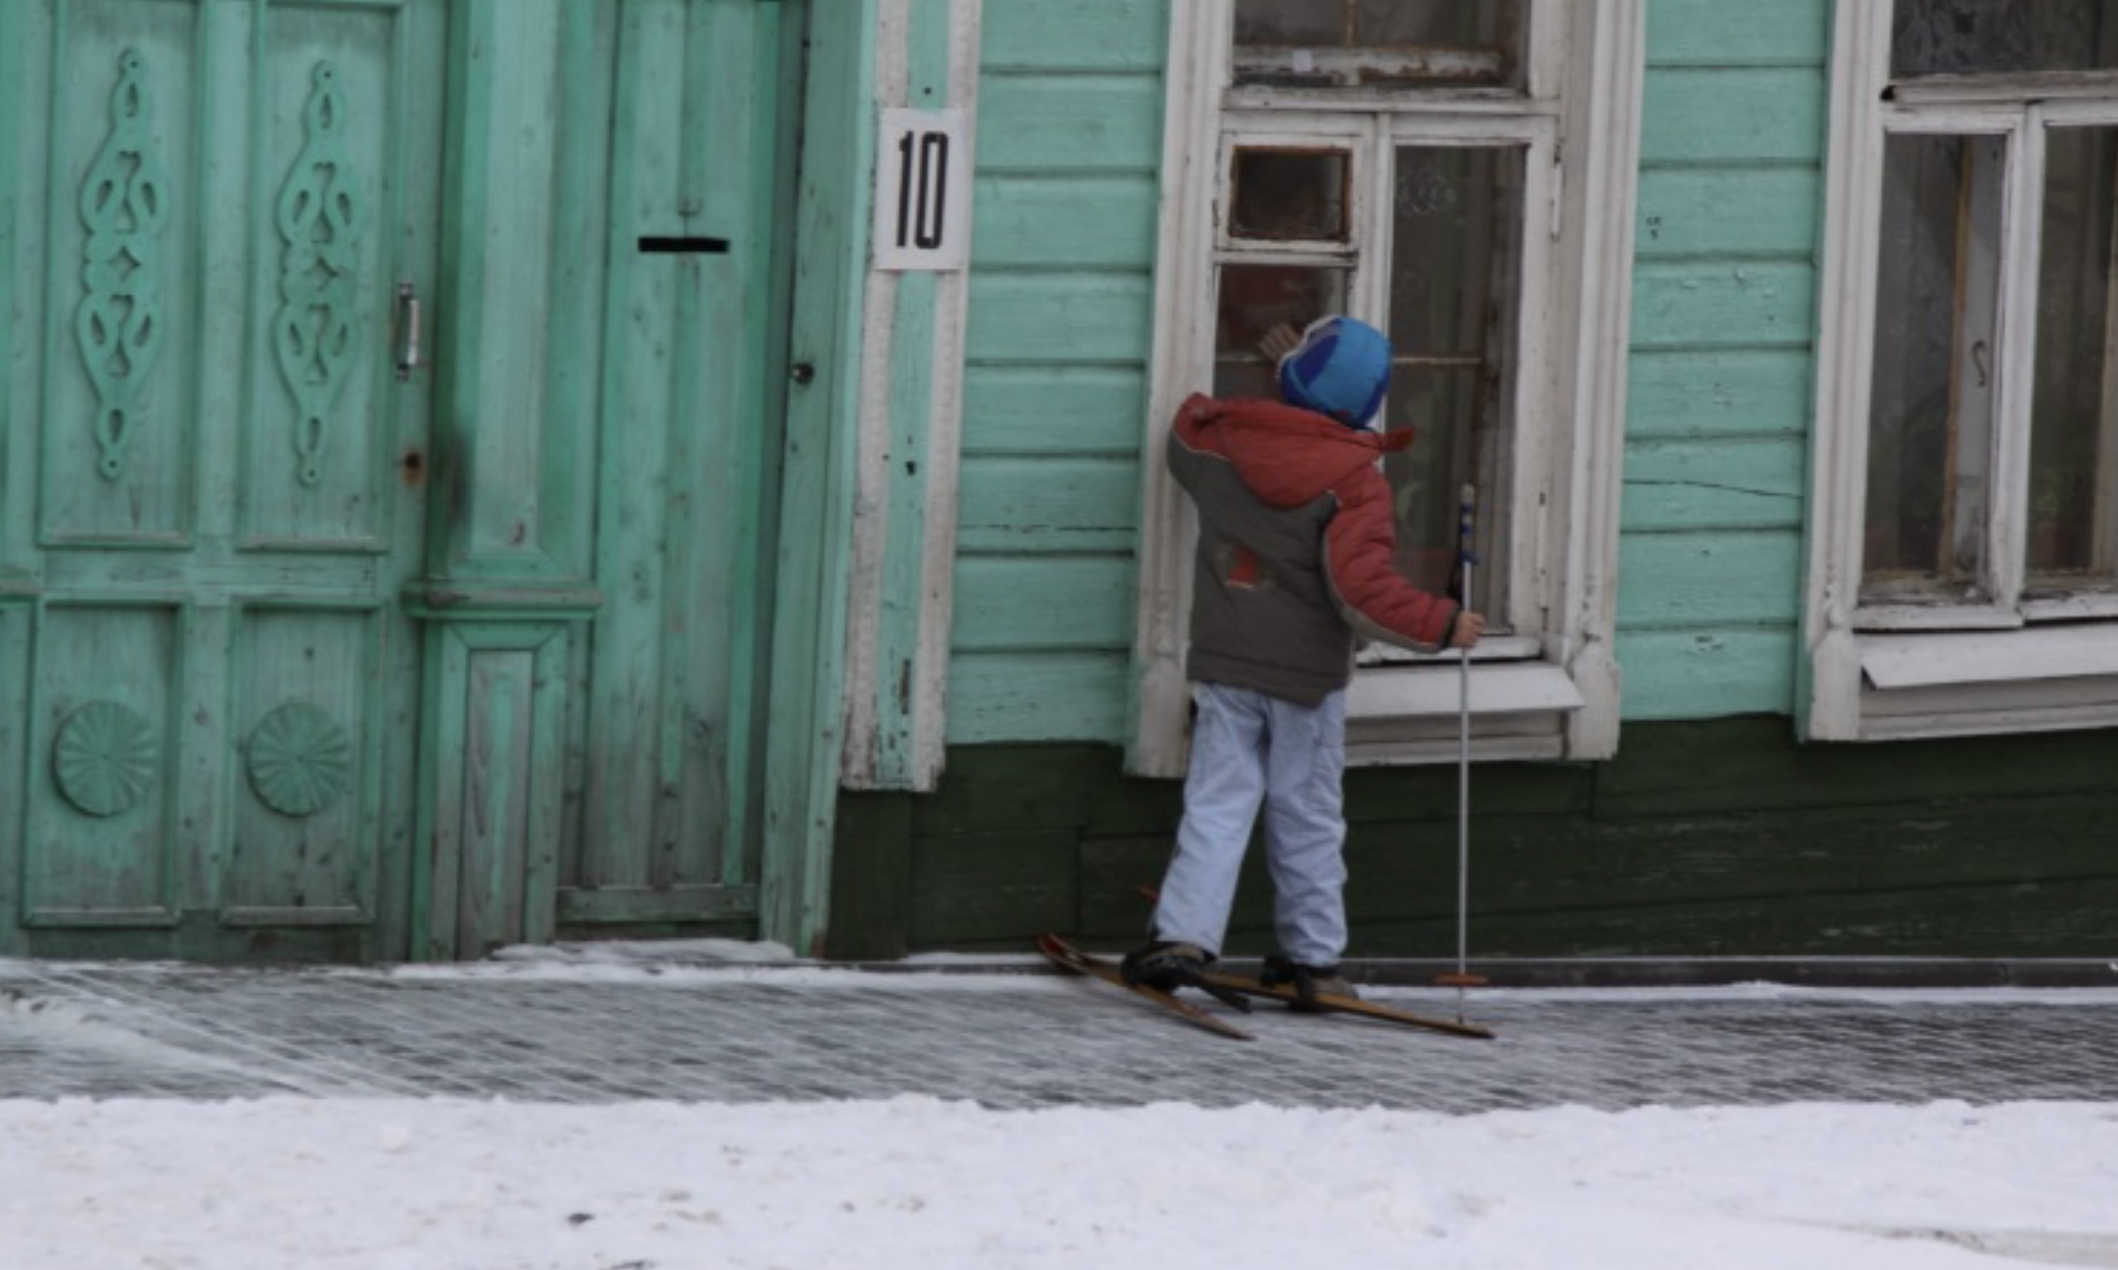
[
  {"x": 1309, "y": 982},
  {"x": 1167, "y": 965}
]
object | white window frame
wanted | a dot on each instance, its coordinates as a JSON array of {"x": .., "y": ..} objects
[
  {"x": 1887, "y": 672},
  {"x": 1549, "y": 693}
]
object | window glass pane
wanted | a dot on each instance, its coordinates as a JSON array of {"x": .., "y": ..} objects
[
  {"x": 2074, "y": 419},
  {"x": 1289, "y": 194},
  {"x": 1379, "y": 43},
  {"x": 1997, "y": 37},
  {"x": 1256, "y": 298},
  {"x": 1454, "y": 278},
  {"x": 1309, "y": 23},
  {"x": 1931, "y": 414},
  {"x": 1434, "y": 24}
]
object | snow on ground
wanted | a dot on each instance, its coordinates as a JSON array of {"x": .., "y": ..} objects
[
  {"x": 284, "y": 1183},
  {"x": 913, "y": 1183}
]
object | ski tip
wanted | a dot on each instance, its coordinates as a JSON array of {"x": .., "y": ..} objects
[{"x": 1462, "y": 981}]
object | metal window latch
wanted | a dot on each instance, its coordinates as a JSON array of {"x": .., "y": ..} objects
[{"x": 408, "y": 324}]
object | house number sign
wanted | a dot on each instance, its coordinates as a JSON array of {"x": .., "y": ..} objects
[{"x": 922, "y": 191}]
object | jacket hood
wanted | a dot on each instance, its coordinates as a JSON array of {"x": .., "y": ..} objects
[{"x": 1286, "y": 456}]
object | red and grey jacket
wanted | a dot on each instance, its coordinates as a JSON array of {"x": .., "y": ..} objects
[{"x": 1295, "y": 545}]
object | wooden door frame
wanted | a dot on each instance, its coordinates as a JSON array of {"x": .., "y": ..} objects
[
  {"x": 497, "y": 623},
  {"x": 828, "y": 251}
]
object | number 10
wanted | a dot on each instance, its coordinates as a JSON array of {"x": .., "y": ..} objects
[{"x": 924, "y": 159}]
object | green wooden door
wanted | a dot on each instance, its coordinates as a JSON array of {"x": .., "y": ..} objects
[
  {"x": 698, "y": 154},
  {"x": 222, "y": 212}
]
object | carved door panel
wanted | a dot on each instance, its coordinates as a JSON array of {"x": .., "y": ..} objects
[{"x": 225, "y": 213}]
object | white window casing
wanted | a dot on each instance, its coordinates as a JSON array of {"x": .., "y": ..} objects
[
  {"x": 1999, "y": 661},
  {"x": 1551, "y": 688}
]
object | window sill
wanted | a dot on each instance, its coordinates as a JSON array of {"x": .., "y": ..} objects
[
  {"x": 1413, "y": 714},
  {"x": 1975, "y": 683},
  {"x": 1891, "y": 662}
]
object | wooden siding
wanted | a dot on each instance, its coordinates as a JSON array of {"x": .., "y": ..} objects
[
  {"x": 1721, "y": 838},
  {"x": 1721, "y": 360},
  {"x": 1055, "y": 379}
]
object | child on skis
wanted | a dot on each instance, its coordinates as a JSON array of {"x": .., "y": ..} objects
[{"x": 1294, "y": 565}]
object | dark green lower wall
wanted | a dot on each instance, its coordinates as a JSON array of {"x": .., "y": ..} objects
[{"x": 1721, "y": 838}]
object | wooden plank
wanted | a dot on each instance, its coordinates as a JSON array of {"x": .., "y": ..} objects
[
  {"x": 682, "y": 904},
  {"x": 1025, "y": 602},
  {"x": 1384, "y": 794},
  {"x": 502, "y": 298},
  {"x": 1073, "y": 35},
  {"x": 1000, "y": 887},
  {"x": 1037, "y": 697},
  {"x": 15, "y": 644},
  {"x": 628, "y": 799},
  {"x": 1993, "y": 921},
  {"x": 1000, "y": 788},
  {"x": 1717, "y": 33},
  {"x": 1066, "y": 317},
  {"x": 1714, "y": 867},
  {"x": 574, "y": 314},
  {"x": 1748, "y": 854},
  {"x": 808, "y": 665},
  {"x": 1054, "y": 410},
  {"x": 712, "y": 452},
  {"x": 1685, "y": 769},
  {"x": 896, "y": 666},
  {"x": 1729, "y": 211},
  {"x": 1736, "y": 484},
  {"x": 1741, "y": 115},
  {"x": 1122, "y": 804},
  {"x": 1069, "y": 123},
  {"x": 1723, "y": 305},
  {"x": 16, "y": 559},
  {"x": 1078, "y": 222},
  {"x": 1684, "y": 579},
  {"x": 1070, "y": 505},
  {"x": 1723, "y": 392},
  {"x": 1704, "y": 674},
  {"x": 1725, "y": 837},
  {"x": 871, "y": 877}
]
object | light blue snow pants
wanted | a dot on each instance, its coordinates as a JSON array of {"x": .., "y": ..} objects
[{"x": 1247, "y": 749}]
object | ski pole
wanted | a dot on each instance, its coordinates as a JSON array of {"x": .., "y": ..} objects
[{"x": 1466, "y": 517}]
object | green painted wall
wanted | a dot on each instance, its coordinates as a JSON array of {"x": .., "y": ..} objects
[
  {"x": 1720, "y": 368},
  {"x": 1055, "y": 380},
  {"x": 1713, "y": 832},
  {"x": 1720, "y": 371},
  {"x": 1701, "y": 839}
]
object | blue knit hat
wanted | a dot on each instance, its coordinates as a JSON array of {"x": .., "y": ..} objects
[{"x": 1341, "y": 369}]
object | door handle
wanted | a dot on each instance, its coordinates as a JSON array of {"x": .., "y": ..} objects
[{"x": 408, "y": 324}]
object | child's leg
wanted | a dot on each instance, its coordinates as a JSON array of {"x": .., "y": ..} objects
[
  {"x": 1221, "y": 796},
  {"x": 1305, "y": 829}
]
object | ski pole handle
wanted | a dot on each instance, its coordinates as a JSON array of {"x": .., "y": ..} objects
[{"x": 1466, "y": 526}]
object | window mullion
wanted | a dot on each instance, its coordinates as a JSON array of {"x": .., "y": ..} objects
[
  {"x": 1550, "y": 38},
  {"x": 1372, "y": 194},
  {"x": 2022, "y": 230},
  {"x": 2104, "y": 553}
]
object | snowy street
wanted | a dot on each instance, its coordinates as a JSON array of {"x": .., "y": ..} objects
[{"x": 600, "y": 1111}]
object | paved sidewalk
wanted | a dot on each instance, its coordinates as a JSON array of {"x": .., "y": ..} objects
[{"x": 1016, "y": 1036}]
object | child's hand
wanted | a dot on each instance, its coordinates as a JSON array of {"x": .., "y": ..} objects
[
  {"x": 1278, "y": 342},
  {"x": 1469, "y": 626}
]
